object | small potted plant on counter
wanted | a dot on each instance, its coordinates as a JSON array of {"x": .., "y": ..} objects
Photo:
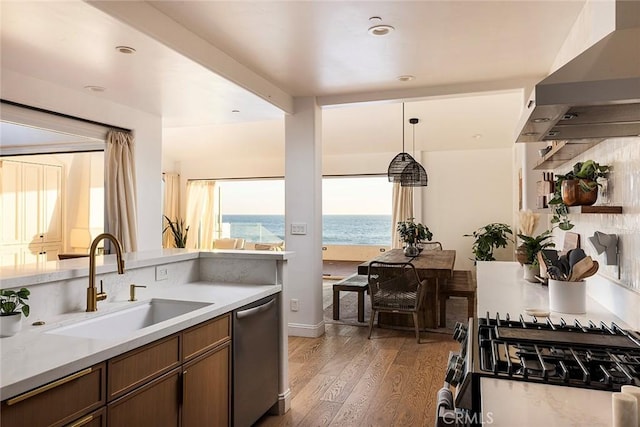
[
  {"x": 411, "y": 234},
  {"x": 488, "y": 238},
  {"x": 531, "y": 246},
  {"x": 575, "y": 188},
  {"x": 12, "y": 307}
]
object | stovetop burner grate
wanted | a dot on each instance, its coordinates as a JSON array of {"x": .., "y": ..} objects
[{"x": 593, "y": 356}]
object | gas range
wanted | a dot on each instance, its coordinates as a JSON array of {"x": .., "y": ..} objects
[{"x": 591, "y": 356}]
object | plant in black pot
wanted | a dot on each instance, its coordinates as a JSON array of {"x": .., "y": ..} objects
[
  {"x": 488, "y": 238},
  {"x": 531, "y": 246},
  {"x": 575, "y": 188},
  {"x": 12, "y": 306}
]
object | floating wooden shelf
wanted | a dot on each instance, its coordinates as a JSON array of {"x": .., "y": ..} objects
[
  {"x": 563, "y": 151},
  {"x": 595, "y": 209}
]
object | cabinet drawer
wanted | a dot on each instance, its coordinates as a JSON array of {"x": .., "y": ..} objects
[
  {"x": 205, "y": 336},
  {"x": 95, "y": 419},
  {"x": 58, "y": 402},
  {"x": 156, "y": 404},
  {"x": 139, "y": 366}
]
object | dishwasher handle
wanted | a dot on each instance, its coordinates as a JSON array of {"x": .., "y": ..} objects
[{"x": 255, "y": 310}]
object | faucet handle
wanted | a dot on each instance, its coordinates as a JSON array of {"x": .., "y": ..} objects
[
  {"x": 101, "y": 296},
  {"x": 132, "y": 291}
]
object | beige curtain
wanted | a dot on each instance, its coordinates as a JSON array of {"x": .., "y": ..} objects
[
  {"x": 402, "y": 209},
  {"x": 171, "y": 208},
  {"x": 201, "y": 216},
  {"x": 120, "y": 189}
]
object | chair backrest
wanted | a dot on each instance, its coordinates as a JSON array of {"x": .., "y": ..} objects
[
  {"x": 395, "y": 285},
  {"x": 225, "y": 243},
  {"x": 431, "y": 246},
  {"x": 239, "y": 243}
]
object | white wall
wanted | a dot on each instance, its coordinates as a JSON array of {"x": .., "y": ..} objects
[
  {"x": 467, "y": 190},
  {"x": 147, "y": 130}
]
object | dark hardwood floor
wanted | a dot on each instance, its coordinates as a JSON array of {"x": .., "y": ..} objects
[{"x": 344, "y": 379}]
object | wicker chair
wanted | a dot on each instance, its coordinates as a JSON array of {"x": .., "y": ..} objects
[{"x": 395, "y": 288}]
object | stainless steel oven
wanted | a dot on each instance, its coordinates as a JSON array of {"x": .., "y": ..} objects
[{"x": 592, "y": 356}]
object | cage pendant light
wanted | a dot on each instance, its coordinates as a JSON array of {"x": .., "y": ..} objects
[
  {"x": 413, "y": 175},
  {"x": 400, "y": 161}
]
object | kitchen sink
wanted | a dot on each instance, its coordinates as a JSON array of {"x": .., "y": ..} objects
[{"x": 121, "y": 323}]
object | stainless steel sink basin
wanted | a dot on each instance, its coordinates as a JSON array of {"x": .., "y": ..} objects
[{"x": 121, "y": 323}]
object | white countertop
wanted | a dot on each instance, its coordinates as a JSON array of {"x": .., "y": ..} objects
[
  {"x": 11, "y": 277},
  {"x": 510, "y": 403},
  {"x": 32, "y": 357}
]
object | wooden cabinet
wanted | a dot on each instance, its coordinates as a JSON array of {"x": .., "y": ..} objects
[
  {"x": 157, "y": 404},
  {"x": 181, "y": 380},
  {"x": 58, "y": 403},
  {"x": 139, "y": 366},
  {"x": 206, "y": 384},
  {"x": 31, "y": 211}
]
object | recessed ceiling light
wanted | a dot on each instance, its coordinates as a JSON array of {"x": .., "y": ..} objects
[
  {"x": 235, "y": 111},
  {"x": 126, "y": 50},
  {"x": 379, "y": 29},
  {"x": 477, "y": 136},
  {"x": 406, "y": 78},
  {"x": 95, "y": 88}
]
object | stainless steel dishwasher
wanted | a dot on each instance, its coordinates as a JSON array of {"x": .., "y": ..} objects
[{"x": 255, "y": 360}]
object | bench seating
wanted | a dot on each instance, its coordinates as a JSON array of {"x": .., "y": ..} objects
[
  {"x": 354, "y": 283},
  {"x": 461, "y": 284}
]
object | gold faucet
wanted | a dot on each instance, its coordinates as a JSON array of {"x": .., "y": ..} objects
[{"x": 93, "y": 296}]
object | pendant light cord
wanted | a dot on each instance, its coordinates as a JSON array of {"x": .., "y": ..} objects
[{"x": 403, "y": 127}]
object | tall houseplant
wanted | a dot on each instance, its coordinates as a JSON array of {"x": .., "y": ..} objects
[
  {"x": 488, "y": 238},
  {"x": 12, "y": 306},
  {"x": 178, "y": 231}
]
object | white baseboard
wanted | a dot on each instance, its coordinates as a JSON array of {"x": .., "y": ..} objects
[{"x": 308, "y": 331}]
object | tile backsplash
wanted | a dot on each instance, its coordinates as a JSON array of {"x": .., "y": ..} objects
[{"x": 623, "y": 155}]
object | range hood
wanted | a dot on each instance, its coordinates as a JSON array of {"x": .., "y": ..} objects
[{"x": 594, "y": 96}]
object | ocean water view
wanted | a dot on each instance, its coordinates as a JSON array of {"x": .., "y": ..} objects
[{"x": 336, "y": 229}]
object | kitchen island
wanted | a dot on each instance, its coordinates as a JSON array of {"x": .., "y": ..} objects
[
  {"x": 501, "y": 289},
  {"x": 219, "y": 281}
]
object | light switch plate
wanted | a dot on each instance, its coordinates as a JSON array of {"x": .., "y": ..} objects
[
  {"x": 162, "y": 272},
  {"x": 298, "y": 228}
]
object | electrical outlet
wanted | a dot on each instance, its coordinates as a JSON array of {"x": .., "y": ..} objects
[
  {"x": 294, "y": 305},
  {"x": 162, "y": 272}
]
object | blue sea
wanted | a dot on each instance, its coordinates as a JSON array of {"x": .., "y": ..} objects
[{"x": 336, "y": 229}]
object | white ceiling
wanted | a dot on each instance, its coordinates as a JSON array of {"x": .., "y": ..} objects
[{"x": 270, "y": 51}]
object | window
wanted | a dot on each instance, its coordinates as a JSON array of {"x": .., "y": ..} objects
[{"x": 356, "y": 210}]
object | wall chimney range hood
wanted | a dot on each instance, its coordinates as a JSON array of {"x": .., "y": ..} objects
[{"x": 594, "y": 96}]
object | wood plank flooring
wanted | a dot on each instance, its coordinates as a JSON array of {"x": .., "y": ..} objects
[{"x": 344, "y": 379}]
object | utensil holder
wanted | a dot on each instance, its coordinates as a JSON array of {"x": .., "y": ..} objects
[{"x": 568, "y": 297}]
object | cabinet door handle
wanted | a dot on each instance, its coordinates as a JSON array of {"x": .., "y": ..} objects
[
  {"x": 49, "y": 386},
  {"x": 183, "y": 392},
  {"x": 85, "y": 420}
]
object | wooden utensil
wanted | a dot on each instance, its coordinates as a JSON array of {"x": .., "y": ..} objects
[
  {"x": 580, "y": 269},
  {"x": 593, "y": 270}
]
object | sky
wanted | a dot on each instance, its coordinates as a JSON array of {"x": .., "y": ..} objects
[{"x": 341, "y": 196}]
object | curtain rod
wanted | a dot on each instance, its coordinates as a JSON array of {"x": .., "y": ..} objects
[
  {"x": 42, "y": 110},
  {"x": 282, "y": 177}
]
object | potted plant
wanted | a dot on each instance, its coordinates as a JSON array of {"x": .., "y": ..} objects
[
  {"x": 178, "y": 231},
  {"x": 531, "y": 246},
  {"x": 575, "y": 188},
  {"x": 411, "y": 234},
  {"x": 12, "y": 307},
  {"x": 489, "y": 238}
]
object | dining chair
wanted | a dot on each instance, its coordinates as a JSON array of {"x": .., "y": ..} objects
[
  {"x": 431, "y": 246},
  {"x": 394, "y": 287}
]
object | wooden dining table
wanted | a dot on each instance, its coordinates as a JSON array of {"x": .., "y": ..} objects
[{"x": 432, "y": 265}]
